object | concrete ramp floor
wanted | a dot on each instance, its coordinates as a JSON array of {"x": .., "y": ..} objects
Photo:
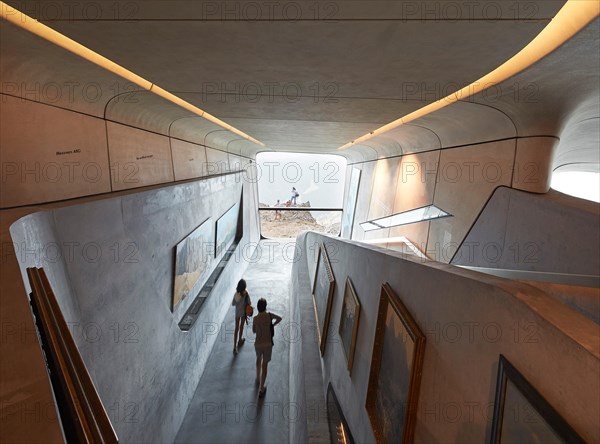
[{"x": 226, "y": 407}]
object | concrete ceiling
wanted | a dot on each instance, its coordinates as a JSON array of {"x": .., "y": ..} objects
[{"x": 313, "y": 85}]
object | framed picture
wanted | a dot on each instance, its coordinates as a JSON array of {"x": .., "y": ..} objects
[
  {"x": 350, "y": 207},
  {"x": 226, "y": 229},
  {"x": 521, "y": 414},
  {"x": 192, "y": 258},
  {"x": 349, "y": 322},
  {"x": 339, "y": 432},
  {"x": 323, "y": 288},
  {"x": 396, "y": 366}
]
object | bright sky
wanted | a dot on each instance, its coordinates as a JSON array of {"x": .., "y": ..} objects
[
  {"x": 579, "y": 184},
  {"x": 319, "y": 178}
]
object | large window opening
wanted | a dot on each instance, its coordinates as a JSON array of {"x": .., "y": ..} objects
[
  {"x": 582, "y": 184},
  {"x": 300, "y": 192}
]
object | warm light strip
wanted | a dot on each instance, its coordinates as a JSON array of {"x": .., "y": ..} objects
[
  {"x": 343, "y": 441},
  {"x": 397, "y": 240},
  {"x": 30, "y": 24},
  {"x": 571, "y": 19}
]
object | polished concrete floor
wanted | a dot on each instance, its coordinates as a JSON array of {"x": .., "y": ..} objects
[{"x": 226, "y": 407}]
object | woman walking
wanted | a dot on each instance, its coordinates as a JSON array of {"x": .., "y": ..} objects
[
  {"x": 263, "y": 326},
  {"x": 241, "y": 299}
]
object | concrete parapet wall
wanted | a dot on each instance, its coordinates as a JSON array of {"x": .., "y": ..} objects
[
  {"x": 469, "y": 319},
  {"x": 552, "y": 233},
  {"x": 113, "y": 275}
]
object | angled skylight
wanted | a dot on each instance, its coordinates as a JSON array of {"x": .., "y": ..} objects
[{"x": 407, "y": 217}]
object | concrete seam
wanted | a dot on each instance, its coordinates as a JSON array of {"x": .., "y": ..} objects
[
  {"x": 110, "y": 179},
  {"x": 485, "y": 142},
  {"x": 437, "y": 173}
]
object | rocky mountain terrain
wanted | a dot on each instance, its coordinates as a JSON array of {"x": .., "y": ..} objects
[{"x": 291, "y": 223}]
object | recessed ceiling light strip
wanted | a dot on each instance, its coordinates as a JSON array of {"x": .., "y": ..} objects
[
  {"x": 32, "y": 25},
  {"x": 572, "y": 18}
]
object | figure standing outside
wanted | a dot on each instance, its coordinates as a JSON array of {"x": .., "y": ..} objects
[
  {"x": 277, "y": 212},
  {"x": 264, "y": 327},
  {"x": 241, "y": 299},
  {"x": 295, "y": 195}
]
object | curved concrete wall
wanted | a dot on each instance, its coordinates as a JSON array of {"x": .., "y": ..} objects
[
  {"x": 469, "y": 319},
  {"x": 551, "y": 232},
  {"x": 114, "y": 280},
  {"x": 51, "y": 154},
  {"x": 458, "y": 180}
]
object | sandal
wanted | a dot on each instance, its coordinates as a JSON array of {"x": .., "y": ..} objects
[
  {"x": 241, "y": 342},
  {"x": 235, "y": 352},
  {"x": 262, "y": 392}
]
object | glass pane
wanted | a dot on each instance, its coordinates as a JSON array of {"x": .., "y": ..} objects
[
  {"x": 407, "y": 217},
  {"x": 298, "y": 178},
  {"x": 522, "y": 422}
]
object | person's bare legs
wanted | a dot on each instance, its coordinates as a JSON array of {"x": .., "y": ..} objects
[
  {"x": 235, "y": 336},
  {"x": 264, "y": 375},
  {"x": 242, "y": 322},
  {"x": 258, "y": 365}
]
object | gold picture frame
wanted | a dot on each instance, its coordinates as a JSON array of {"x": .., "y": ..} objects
[
  {"x": 323, "y": 288},
  {"x": 349, "y": 319},
  {"x": 396, "y": 367}
]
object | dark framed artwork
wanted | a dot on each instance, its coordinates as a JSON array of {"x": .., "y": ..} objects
[
  {"x": 339, "y": 432},
  {"x": 192, "y": 258},
  {"x": 349, "y": 322},
  {"x": 350, "y": 207},
  {"x": 226, "y": 229},
  {"x": 521, "y": 414},
  {"x": 396, "y": 367},
  {"x": 323, "y": 288}
]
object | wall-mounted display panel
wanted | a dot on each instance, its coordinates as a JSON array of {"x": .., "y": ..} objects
[
  {"x": 50, "y": 154},
  {"x": 189, "y": 159},
  {"x": 192, "y": 259},
  {"x": 138, "y": 158},
  {"x": 226, "y": 229}
]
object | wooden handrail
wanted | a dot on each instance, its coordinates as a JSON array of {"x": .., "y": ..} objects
[{"x": 82, "y": 413}]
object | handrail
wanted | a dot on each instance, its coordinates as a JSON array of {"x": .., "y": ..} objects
[
  {"x": 82, "y": 413},
  {"x": 580, "y": 280},
  {"x": 298, "y": 209}
]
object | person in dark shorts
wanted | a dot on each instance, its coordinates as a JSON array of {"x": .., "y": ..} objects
[{"x": 263, "y": 327}]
